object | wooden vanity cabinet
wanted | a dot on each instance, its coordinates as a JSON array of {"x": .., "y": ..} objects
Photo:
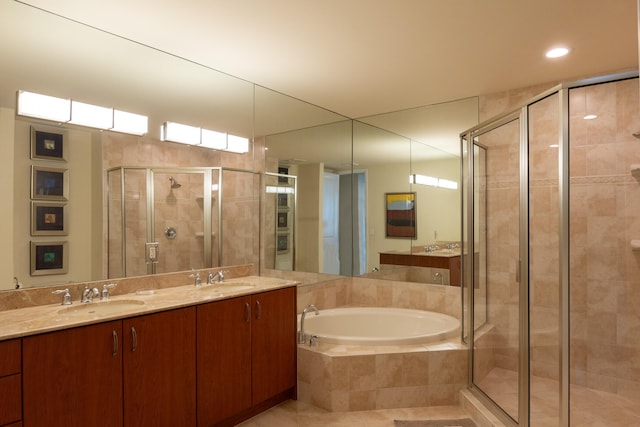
[
  {"x": 246, "y": 355},
  {"x": 10, "y": 383},
  {"x": 159, "y": 365},
  {"x": 73, "y": 377}
]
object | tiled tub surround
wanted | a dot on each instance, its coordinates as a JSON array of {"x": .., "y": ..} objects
[{"x": 353, "y": 378}]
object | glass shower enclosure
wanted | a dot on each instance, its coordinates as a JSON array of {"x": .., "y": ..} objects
[
  {"x": 163, "y": 220},
  {"x": 551, "y": 206}
]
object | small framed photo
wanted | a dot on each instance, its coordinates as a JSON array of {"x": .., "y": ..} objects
[
  {"x": 47, "y": 143},
  {"x": 48, "y": 219},
  {"x": 283, "y": 200},
  {"x": 283, "y": 220},
  {"x": 282, "y": 243},
  {"x": 49, "y": 183},
  {"x": 49, "y": 258}
]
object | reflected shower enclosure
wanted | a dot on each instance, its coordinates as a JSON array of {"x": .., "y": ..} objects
[{"x": 177, "y": 219}]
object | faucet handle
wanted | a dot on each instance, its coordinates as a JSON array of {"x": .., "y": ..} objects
[
  {"x": 66, "y": 298},
  {"x": 105, "y": 290}
]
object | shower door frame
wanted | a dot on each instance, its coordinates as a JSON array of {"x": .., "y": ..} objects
[
  {"x": 150, "y": 201},
  {"x": 467, "y": 200}
]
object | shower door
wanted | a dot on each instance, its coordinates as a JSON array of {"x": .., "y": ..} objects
[
  {"x": 181, "y": 208},
  {"x": 494, "y": 244}
]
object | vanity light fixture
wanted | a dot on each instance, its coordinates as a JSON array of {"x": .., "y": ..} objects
[
  {"x": 237, "y": 144},
  {"x": 590, "y": 117},
  {"x": 135, "y": 124},
  {"x": 43, "y": 106},
  {"x": 183, "y": 134},
  {"x": 191, "y": 135},
  {"x": 91, "y": 115},
  {"x": 213, "y": 139},
  {"x": 557, "y": 52},
  {"x": 79, "y": 113},
  {"x": 280, "y": 190},
  {"x": 432, "y": 181}
]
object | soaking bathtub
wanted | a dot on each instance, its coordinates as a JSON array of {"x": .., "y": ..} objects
[{"x": 379, "y": 326}]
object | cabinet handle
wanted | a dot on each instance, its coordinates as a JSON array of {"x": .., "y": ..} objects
[
  {"x": 134, "y": 339},
  {"x": 258, "y": 310},
  {"x": 247, "y": 312},
  {"x": 115, "y": 343}
]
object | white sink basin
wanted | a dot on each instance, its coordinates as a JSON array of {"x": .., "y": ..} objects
[
  {"x": 102, "y": 307},
  {"x": 229, "y": 287}
]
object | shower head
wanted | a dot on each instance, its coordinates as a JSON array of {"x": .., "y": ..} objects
[{"x": 174, "y": 183}]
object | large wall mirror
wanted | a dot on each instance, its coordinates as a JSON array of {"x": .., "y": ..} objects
[{"x": 338, "y": 169}]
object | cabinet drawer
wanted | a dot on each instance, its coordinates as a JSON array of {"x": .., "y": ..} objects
[
  {"x": 10, "y": 399},
  {"x": 10, "y": 357}
]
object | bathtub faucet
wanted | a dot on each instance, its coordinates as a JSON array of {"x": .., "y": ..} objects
[{"x": 301, "y": 339}]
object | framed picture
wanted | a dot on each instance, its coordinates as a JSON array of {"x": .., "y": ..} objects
[
  {"x": 47, "y": 143},
  {"x": 282, "y": 243},
  {"x": 283, "y": 220},
  {"x": 48, "y": 258},
  {"x": 48, "y": 219},
  {"x": 401, "y": 215},
  {"x": 283, "y": 171},
  {"x": 49, "y": 183},
  {"x": 283, "y": 200}
]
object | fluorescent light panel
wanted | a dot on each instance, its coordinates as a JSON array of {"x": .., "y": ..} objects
[
  {"x": 91, "y": 115},
  {"x": 433, "y": 181},
  {"x": 67, "y": 111},
  {"x": 44, "y": 106},
  {"x": 280, "y": 190},
  {"x": 185, "y": 134},
  {"x": 135, "y": 124}
]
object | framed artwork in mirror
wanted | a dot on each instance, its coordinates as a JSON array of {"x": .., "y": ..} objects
[
  {"x": 282, "y": 243},
  {"x": 49, "y": 258},
  {"x": 401, "y": 215},
  {"x": 283, "y": 220},
  {"x": 47, "y": 143},
  {"x": 48, "y": 219},
  {"x": 49, "y": 183}
]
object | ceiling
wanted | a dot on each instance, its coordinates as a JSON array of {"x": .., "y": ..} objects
[{"x": 364, "y": 57}]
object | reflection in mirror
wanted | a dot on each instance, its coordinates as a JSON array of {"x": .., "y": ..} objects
[{"x": 319, "y": 157}]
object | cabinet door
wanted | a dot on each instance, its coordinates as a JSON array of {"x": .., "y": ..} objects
[
  {"x": 73, "y": 377},
  {"x": 224, "y": 359},
  {"x": 159, "y": 369},
  {"x": 273, "y": 345}
]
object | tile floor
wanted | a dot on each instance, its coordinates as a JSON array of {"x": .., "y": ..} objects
[
  {"x": 589, "y": 407},
  {"x": 293, "y": 414}
]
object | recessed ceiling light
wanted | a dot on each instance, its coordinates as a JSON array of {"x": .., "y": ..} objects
[{"x": 557, "y": 52}]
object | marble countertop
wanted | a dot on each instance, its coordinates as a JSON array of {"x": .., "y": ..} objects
[
  {"x": 446, "y": 253},
  {"x": 21, "y": 322}
]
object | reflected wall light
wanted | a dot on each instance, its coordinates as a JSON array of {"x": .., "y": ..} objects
[
  {"x": 183, "y": 134},
  {"x": 91, "y": 115},
  {"x": 432, "y": 181},
  {"x": 237, "y": 144},
  {"x": 135, "y": 124},
  {"x": 191, "y": 135},
  {"x": 43, "y": 106},
  {"x": 280, "y": 190},
  {"x": 213, "y": 139},
  {"x": 79, "y": 113}
]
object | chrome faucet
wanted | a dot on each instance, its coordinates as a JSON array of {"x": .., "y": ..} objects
[
  {"x": 66, "y": 297},
  {"x": 88, "y": 294},
  {"x": 301, "y": 339},
  {"x": 438, "y": 276},
  {"x": 211, "y": 278},
  {"x": 105, "y": 291}
]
